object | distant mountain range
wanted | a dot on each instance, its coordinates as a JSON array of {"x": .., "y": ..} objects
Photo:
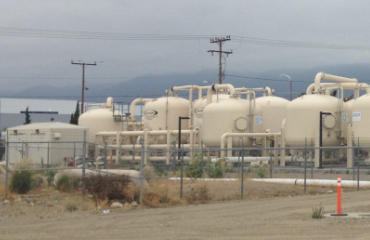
[{"x": 154, "y": 86}]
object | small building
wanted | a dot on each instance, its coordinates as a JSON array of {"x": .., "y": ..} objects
[{"x": 45, "y": 143}]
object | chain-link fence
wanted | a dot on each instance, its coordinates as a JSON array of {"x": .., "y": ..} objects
[{"x": 181, "y": 164}]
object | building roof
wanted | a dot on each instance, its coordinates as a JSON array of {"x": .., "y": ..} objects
[{"x": 48, "y": 125}]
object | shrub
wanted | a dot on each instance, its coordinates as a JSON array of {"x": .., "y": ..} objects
[
  {"x": 260, "y": 171},
  {"x": 111, "y": 187},
  {"x": 50, "y": 176},
  {"x": 65, "y": 183},
  {"x": 161, "y": 171},
  {"x": 22, "y": 182},
  {"x": 215, "y": 170},
  {"x": 199, "y": 194},
  {"x": 195, "y": 168},
  {"x": 71, "y": 207},
  {"x": 317, "y": 212}
]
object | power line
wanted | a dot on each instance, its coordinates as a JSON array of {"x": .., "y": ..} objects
[
  {"x": 220, "y": 41},
  {"x": 47, "y": 33},
  {"x": 265, "y": 79}
]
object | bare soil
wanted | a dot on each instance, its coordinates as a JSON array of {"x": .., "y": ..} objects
[{"x": 268, "y": 211}]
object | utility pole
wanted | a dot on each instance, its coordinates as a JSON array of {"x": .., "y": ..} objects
[
  {"x": 220, "y": 41},
  {"x": 84, "y": 65}
]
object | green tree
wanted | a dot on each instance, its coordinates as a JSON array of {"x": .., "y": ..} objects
[
  {"x": 28, "y": 117},
  {"x": 76, "y": 115}
]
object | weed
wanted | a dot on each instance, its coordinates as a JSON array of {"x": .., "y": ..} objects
[
  {"x": 347, "y": 171},
  {"x": 195, "y": 168},
  {"x": 65, "y": 183},
  {"x": 22, "y": 182},
  {"x": 260, "y": 171},
  {"x": 161, "y": 171},
  {"x": 318, "y": 211},
  {"x": 215, "y": 170},
  {"x": 199, "y": 194},
  {"x": 110, "y": 187},
  {"x": 50, "y": 176},
  {"x": 71, "y": 207}
]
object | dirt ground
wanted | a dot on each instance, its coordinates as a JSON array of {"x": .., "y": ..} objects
[{"x": 259, "y": 216}]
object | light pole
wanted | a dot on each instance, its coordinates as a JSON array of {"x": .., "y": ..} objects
[{"x": 290, "y": 81}]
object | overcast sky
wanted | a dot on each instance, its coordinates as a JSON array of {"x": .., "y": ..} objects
[{"x": 38, "y": 39}]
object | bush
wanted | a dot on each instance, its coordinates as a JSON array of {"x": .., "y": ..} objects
[
  {"x": 161, "y": 171},
  {"x": 111, "y": 187},
  {"x": 199, "y": 194},
  {"x": 260, "y": 171},
  {"x": 50, "y": 176},
  {"x": 215, "y": 170},
  {"x": 65, "y": 183},
  {"x": 317, "y": 212},
  {"x": 195, "y": 168},
  {"x": 22, "y": 182},
  {"x": 71, "y": 207}
]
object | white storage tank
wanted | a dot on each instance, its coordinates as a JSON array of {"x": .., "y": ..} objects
[
  {"x": 273, "y": 112},
  {"x": 228, "y": 115},
  {"x": 100, "y": 120},
  {"x": 163, "y": 113},
  {"x": 303, "y": 120},
  {"x": 360, "y": 120},
  {"x": 200, "y": 104}
]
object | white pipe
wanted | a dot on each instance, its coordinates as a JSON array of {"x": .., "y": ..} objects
[
  {"x": 345, "y": 86},
  {"x": 228, "y": 134},
  {"x": 314, "y": 182},
  {"x": 188, "y": 87},
  {"x": 217, "y": 87},
  {"x": 321, "y": 75},
  {"x": 133, "y": 104}
]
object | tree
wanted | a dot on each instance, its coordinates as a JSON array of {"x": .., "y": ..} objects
[
  {"x": 28, "y": 117},
  {"x": 76, "y": 115}
]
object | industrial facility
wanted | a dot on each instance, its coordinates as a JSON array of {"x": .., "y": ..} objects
[{"x": 224, "y": 117}]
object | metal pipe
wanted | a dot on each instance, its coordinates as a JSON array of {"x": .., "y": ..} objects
[
  {"x": 321, "y": 75},
  {"x": 133, "y": 104}
]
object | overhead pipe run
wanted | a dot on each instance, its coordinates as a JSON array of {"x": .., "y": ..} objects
[
  {"x": 133, "y": 104},
  {"x": 217, "y": 87},
  {"x": 321, "y": 75}
]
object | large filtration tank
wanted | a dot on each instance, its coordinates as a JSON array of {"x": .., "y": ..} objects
[
  {"x": 361, "y": 119},
  {"x": 273, "y": 112},
  {"x": 303, "y": 120},
  {"x": 232, "y": 115},
  {"x": 100, "y": 119},
  {"x": 200, "y": 104},
  {"x": 163, "y": 113}
]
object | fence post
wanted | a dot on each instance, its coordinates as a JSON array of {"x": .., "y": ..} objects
[
  {"x": 74, "y": 153},
  {"x": 174, "y": 156},
  {"x": 6, "y": 164},
  {"x": 358, "y": 164},
  {"x": 48, "y": 161},
  {"x": 83, "y": 163},
  {"x": 242, "y": 178},
  {"x": 305, "y": 163},
  {"x": 105, "y": 155},
  {"x": 271, "y": 143},
  {"x": 312, "y": 163},
  {"x": 182, "y": 171},
  {"x": 141, "y": 170}
]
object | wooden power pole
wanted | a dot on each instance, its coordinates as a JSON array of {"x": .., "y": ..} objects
[
  {"x": 220, "y": 41},
  {"x": 84, "y": 65}
]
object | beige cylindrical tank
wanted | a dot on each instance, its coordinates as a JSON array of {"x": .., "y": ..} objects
[
  {"x": 100, "y": 120},
  {"x": 303, "y": 120},
  {"x": 360, "y": 120},
  {"x": 273, "y": 112},
  {"x": 228, "y": 115},
  {"x": 200, "y": 104},
  {"x": 163, "y": 113}
]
